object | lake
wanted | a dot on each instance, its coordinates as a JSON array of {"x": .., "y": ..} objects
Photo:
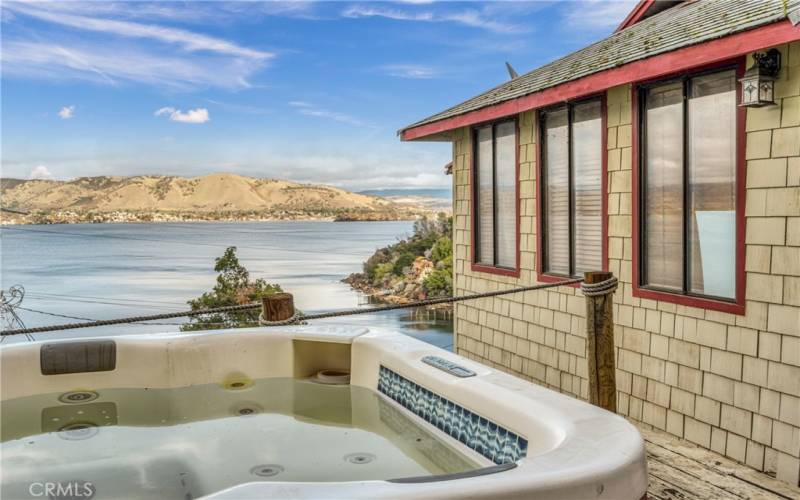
[{"x": 104, "y": 271}]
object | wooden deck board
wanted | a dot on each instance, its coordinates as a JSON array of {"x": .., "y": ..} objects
[
  {"x": 662, "y": 490},
  {"x": 679, "y": 470}
]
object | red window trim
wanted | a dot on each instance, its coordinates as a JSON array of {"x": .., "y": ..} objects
[
  {"x": 738, "y": 305},
  {"x": 476, "y": 266},
  {"x": 553, "y": 278},
  {"x": 720, "y": 49}
]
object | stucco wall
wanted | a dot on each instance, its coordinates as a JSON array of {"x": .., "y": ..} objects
[{"x": 727, "y": 382}]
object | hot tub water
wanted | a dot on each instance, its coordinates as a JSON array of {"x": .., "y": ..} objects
[{"x": 192, "y": 441}]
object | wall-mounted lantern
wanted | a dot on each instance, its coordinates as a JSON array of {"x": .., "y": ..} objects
[{"x": 758, "y": 82}]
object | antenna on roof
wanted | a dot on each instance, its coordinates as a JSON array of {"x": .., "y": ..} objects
[{"x": 512, "y": 73}]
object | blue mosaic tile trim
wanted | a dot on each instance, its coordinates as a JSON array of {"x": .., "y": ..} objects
[{"x": 494, "y": 442}]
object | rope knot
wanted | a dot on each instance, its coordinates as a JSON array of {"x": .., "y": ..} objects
[
  {"x": 294, "y": 319},
  {"x": 597, "y": 289}
]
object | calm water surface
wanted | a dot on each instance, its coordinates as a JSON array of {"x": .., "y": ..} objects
[
  {"x": 192, "y": 441},
  {"x": 104, "y": 271}
]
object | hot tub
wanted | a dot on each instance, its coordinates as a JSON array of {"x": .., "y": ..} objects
[{"x": 247, "y": 414}]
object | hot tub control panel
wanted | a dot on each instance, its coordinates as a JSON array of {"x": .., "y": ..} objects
[{"x": 448, "y": 366}]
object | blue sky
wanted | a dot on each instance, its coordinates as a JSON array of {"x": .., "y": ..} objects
[{"x": 307, "y": 91}]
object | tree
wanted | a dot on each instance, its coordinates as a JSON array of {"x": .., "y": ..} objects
[{"x": 233, "y": 288}]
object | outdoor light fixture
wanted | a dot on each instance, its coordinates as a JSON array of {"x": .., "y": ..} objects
[{"x": 758, "y": 83}]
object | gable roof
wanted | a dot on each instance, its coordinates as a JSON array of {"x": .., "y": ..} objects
[
  {"x": 644, "y": 9},
  {"x": 683, "y": 25}
]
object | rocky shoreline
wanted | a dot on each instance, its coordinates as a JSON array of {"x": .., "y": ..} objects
[
  {"x": 121, "y": 217},
  {"x": 358, "y": 282},
  {"x": 408, "y": 288},
  {"x": 414, "y": 269}
]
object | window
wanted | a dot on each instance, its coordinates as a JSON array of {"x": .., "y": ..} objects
[
  {"x": 571, "y": 189},
  {"x": 688, "y": 186},
  {"x": 495, "y": 185}
]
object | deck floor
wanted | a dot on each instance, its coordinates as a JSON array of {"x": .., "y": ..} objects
[{"x": 681, "y": 470}]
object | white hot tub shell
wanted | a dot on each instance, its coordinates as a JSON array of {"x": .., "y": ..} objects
[{"x": 543, "y": 444}]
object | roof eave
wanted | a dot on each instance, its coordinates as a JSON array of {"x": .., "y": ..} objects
[
  {"x": 442, "y": 136},
  {"x": 685, "y": 58}
]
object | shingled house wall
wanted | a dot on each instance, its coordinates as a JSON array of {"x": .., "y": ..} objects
[{"x": 727, "y": 382}]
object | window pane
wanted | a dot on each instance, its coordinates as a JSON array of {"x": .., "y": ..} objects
[
  {"x": 556, "y": 178},
  {"x": 505, "y": 165},
  {"x": 587, "y": 168},
  {"x": 711, "y": 156},
  {"x": 663, "y": 172},
  {"x": 485, "y": 197}
]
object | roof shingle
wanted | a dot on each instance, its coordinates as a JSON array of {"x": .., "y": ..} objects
[{"x": 686, "y": 24}]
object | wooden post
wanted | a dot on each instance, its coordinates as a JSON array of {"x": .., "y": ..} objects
[
  {"x": 277, "y": 307},
  {"x": 600, "y": 345}
]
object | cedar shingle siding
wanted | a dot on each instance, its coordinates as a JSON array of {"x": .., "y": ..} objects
[
  {"x": 730, "y": 383},
  {"x": 727, "y": 382}
]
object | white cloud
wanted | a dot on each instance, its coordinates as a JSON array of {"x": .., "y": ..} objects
[
  {"x": 364, "y": 169},
  {"x": 40, "y": 172},
  {"x": 150, "y": 10},
  {"x": 199, "y": 115},
  {"x": 188, "y": 40},
  {"x": 186, "y": 12},
  {"x": 66, "y": 112},
  {"x": 598, "y": 14},
  {"x": 413, "y": 71},
  {"x": 165, "y": 56},
  {"x": 291, "y": 9},
  {"x": 357, "y": 11},
  {"x": 111, "y": 62},
  {"x": 369, "y": 161},
  {"x": 470, "y": 17},
  {"x": 308, "y": 109}
]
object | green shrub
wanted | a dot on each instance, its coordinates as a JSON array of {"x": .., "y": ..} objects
[
  {"x": 234, "y": 287},
  {"x": 448, "y": 261},
  {"x": 380, "y": 271},
  {"x": 442, "y": 249},
  {"x": 381, "y": 256},
  {"x": 439, "y": 283},
  {"x": 430, "y": 235},
  {"x": 404, "y": 260}
]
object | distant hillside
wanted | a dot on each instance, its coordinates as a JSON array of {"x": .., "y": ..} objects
[
  {"x": 430, "y": 198},
  {"x": 211, "y": 197},
  {"x": 444, "y": 193}
]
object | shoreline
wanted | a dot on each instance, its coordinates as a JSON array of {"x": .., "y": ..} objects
[
  {"x": 21, "y": 221},
  {"x": 197, "y": 221},
  {"x": 385, "y": 295}
]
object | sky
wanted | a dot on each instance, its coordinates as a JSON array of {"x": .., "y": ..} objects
[{"x": 304, "y": 91}]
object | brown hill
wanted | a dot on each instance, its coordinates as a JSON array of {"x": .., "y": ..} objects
[{"x": 215, "y": 192}]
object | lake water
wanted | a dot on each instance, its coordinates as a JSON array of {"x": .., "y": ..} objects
[{"x": 104, "y": 271}]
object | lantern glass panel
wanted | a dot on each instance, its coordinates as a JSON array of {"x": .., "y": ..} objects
[
  {"x": 766, "y": 92},
  {"x": 750, "y": 90}
]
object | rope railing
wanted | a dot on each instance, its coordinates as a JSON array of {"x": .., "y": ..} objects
[
  {"x": 278, "y": 310},
  {"x": 296, "y": 317},
  {"x": 129, "y": 319}
]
